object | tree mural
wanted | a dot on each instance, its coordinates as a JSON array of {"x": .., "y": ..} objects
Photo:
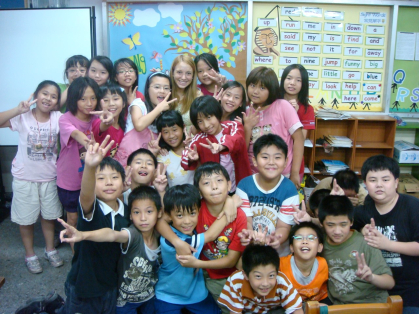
[{"x": 196, "y": 34}]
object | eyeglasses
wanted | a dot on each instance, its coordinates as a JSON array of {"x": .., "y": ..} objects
[
  {"x": 130, "y": 71},
  {"x": 310, "y": 237},
  {"x": 159, "y": 87},
  {"x": 72, "y": 71}
]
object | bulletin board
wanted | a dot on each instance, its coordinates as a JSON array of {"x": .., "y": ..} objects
[
  {"x": 153, "y": 34},
  {"x": 343, "y": 47},
  {"x": 405, "y": 79}
]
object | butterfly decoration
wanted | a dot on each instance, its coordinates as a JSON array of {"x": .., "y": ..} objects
[
  {"x": 156, "y": 56},
  {"x": 132, "y": 41}
]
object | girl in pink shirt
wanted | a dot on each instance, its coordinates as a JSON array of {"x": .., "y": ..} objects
[
  {"x": 34, "y": 170},
  {"x": 75, "y": 135},
  {"x": 114, "y": 100},
  {"x": 269, "y": 114}
]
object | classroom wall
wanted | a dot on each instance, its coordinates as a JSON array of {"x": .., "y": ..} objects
[{"x": 8, "y": 152}]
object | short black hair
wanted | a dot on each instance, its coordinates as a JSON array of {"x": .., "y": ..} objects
[
  {"x": 112, "y": 89},
  {"x": 242, "y": 108},
  {"x": 255, "y": 255},
  {"x": 106, "y": 62},
  {"x": 184, "y": 197},
  {"x": 336, "y": 205},
  {"x": 45, "y": 84},
  {"x": 207, "y": 169},
  {"x": 72, "y": 62},
  {"x": 347, "y": 179},
  {"x": 130, "y": 63},
  {"x": 268, "y": 140},
  {"x": 140, "y": 151},
  {"x": 209, "y": 59},
  {"x": 316, "y": 197},
  {"x": 303, "y": 94},
  {"x": 207, "y": 106},
  {"x": 76, "y": 91},
  {"x": 144, "y": 193},
  {"x": 114, "y": 165},
  {"x": 306, "y": 224},
  {"x": 167, "y": 119},
  {"x": 268, "y": 79},
  {"x": 379, "y": 163}
]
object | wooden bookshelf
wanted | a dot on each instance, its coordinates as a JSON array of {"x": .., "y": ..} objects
[{"x": 370, "y": 135}]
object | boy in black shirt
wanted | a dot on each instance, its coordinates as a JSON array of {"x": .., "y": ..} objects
[{"x": 390, "y": 222}]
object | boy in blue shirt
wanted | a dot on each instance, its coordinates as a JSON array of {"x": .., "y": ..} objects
[
  {"x": 180, "y": 287},
  {"x": 268, "y": 196}
]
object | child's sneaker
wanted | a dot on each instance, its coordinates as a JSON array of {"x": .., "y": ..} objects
[
  {"x": 33, "y": 264},
  {"x": 54, "y": 259},
  {"x": 32, "y": 306}
]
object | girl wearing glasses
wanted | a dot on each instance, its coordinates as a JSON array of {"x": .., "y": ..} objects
[
  {"x": 141, "y": 120},
  {"x": 126, "y": 76}
]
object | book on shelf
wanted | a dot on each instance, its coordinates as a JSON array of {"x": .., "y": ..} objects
[
  {"x": 330, "y": 114},
  {"x": 338, "y": 141},
  {"x": 329, "y": 166}
]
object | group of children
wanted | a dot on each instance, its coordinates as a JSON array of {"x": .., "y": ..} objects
[{"x": 184, "y": 177}]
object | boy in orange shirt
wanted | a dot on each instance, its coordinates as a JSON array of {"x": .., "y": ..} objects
[{"x": 307, "y": 272}]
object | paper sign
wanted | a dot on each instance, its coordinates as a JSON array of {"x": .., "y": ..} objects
[
  {"x": 351, "y": 75},
  {"x": 288, "y": 60},
  {"x": 310, "y": 60},
  {"x": 372, "y": 17},
  {"x": 333, "y": 15},
  {"x": 291, "y": 11},
  {"x": 290, "y": 48},
  {"x": 263, "y": 60},
  {"x": 313, "y": 84},
  {"x": 267, "y": 22},
  {"x": 332, "y": 49},
  {"x": 313, "y": 73},
  {"x": 352, "y": 64},
  {"x": 312, "y": 37},
  {"x": 354, "y": 28},
  {"x": 312, "y": 26},
  {"x": 375, "y": 29},
  {"x": 378, "y": 53},
  {"x": 351, "y": 98},
  {"x": 331, "y": 62},
  {"x": 332, "y": 38},
  {"x": 331, "y": 86},
  {"x": 372, "y": 76},
  {"x": 331, "y": 73},
  {"x": 351, "y": 86},
  {"x": 353, "y": 39},
  {"x": 352, "y": 51},
  {"x": 291, "y": 24},
  {"x": 311, "y": 48},
  {"x": 290, "y": 36},
  {"x": 333, "y": 27},
  {"x": 375, "y": 41},
  {"x": 371, "y": 98},
  {"x": 374, "y": 64},
  {"x": 366, "y": 87},
  {"x": 312, "y": 12}
]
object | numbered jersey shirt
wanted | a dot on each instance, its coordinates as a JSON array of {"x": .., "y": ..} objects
[{"x": 226, "y": 241}]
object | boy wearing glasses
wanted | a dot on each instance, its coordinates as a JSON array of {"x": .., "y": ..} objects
[
  {"x": 307, "y": 272},
  {"x": 358, "y": 272}
]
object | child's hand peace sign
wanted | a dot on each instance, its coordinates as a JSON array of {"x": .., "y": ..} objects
[
  {"x": 217, "y": 77},
  {"x": 165, "y": 105},
  {"x": 127, "y": 182},
  {"x": 259, "y": 236},
  {"x": 218, "y": 94},
  {"x": 25, "y": 106},
  {"x": 215, "y": 148},
  {"x": 160, "y": 182},
  {"x": 153, "y": 145},
  {"x": 364, "y": 271},
  {"x": 300, "y": 215},
  {"x": 188, "y": 137},
  {"x": 69, "y": 234},
  {"x": 95, "y": 153},
  {"x": 192, "y": 153},
  {"x": 337, "y": 190},
  {"x": 132, "y": 95},
  {"x": 105, "y": 116}
]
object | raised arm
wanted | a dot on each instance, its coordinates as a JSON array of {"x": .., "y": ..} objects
[
  {"x": 24, "y": 106},
  {"x": 94, "y": 155},
  {"x": 72, "y": 235},
  {"x": 141, "y": 121}
]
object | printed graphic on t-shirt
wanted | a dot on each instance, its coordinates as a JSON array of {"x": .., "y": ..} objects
[
  {"x": 114, "y": 150},
  {"x": 41, "y": 144},
  {"x": 142, "y": 281},
  {"x": 265, "y": 212},
  {"x": 392, "y": 259},
  {"x": 258, "y": 131},
  {"x": 341, "y": 275},
  {"x": 218, "y": 248}
]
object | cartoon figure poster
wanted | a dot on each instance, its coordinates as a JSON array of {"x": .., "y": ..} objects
[{"x": 153, "y": 34}]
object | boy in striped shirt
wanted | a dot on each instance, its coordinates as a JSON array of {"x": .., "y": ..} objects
[{"x": 260, "y": 288}]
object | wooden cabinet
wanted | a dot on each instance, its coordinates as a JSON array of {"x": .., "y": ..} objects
[{"x": 370, "y": 135}]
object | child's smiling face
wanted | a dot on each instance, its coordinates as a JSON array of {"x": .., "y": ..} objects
[
  {"x": 113, "y": 103},
  {"x": 172, "y": 135},
  {"x": 143, "y": 169},
  {"x": 184, "y": 220},
  {"x": 144, "y": 214},
  {"x": 262, "y": 279},
  {"x": 305, "y": 244},
  {"x": 232, "y": 99}
]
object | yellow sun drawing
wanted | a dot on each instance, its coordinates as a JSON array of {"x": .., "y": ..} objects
[{"x": 119, "y": 14}]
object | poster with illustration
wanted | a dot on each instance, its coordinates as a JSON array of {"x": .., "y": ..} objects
[
  {"x": 153, "y": 34},
  {"x": 343, "y": 48},
  {"x": 405, "y": 79}
]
